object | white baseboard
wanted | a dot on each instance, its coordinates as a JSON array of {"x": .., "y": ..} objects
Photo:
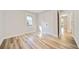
[
  {"x": 2, "y": 39},
  {"x": 76, "y": 41},
  {"x": 16, "y": 35},
  {"x": 52, "y": 34}
]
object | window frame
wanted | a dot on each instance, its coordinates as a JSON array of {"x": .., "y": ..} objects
[{"x": 28, "y": 24}]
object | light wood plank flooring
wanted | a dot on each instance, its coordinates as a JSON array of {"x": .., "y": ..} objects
[{"x": 39, "y": 41}]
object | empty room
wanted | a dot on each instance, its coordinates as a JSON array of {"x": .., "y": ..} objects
[{"x": 39, "y": 29}]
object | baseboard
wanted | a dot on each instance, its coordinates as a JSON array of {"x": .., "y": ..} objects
[
  {"x": 53, "y": 35},
  {"x": 2, "y": 39},
  {"x": 76, "y": 41},
  {"x": 17, "y": 35}
]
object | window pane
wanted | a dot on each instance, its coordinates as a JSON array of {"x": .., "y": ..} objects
[{"x": 29, "y": 20}]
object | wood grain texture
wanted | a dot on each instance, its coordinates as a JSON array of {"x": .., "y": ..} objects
[{"x": 39, "y": 41}]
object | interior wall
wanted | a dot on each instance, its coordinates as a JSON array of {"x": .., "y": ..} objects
[
  {"x": 69, "y": 22},
  {"x": 76, "y": 24},
  {"x": 13, "y": 22},
  {"x": 1, "y": 27},
  {"x": 0, "y": 24},
  {"x": 48, "y": 22}
]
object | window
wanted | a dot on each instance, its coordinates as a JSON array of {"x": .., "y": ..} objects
[{"x": 29, "y": 20}]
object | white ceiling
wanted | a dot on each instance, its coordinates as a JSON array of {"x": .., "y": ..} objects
[{"x": 36, "y": 11}]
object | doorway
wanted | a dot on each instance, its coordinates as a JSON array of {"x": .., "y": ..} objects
[{"x": 65, "y": 24}]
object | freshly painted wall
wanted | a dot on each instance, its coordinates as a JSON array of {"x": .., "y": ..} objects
[
  {"x": 13, "y": 22},
  {"x": 1, "y": 26},
  {"x": 76, "y": 26},
  {"x": 48, "y": 21}
]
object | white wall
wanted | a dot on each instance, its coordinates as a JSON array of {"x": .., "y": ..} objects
[
  {"x": 1, "y": 27},
  {"x": 13, "y": 22},
  {"x": 76, "y": 26},
  {"x": 16, "y": 22},
  {"x": 70, "y": 21},
  {"x": 0, "y": 24},
  {"x": 49, "y": 18}
]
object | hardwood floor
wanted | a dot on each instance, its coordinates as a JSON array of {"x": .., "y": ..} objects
[{"x": 39, "y": 41}]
